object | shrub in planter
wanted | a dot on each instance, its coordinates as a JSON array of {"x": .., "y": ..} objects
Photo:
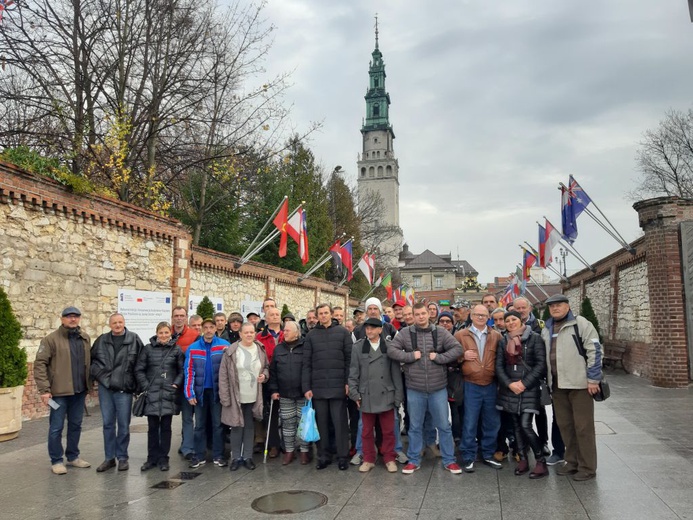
[{"x": 13, "y": 369}]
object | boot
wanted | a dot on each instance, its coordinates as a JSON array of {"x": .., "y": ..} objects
[
  {"x": 304, "y": 456},
  {"x": 522, "y": 465},
  {"x": 540, "y": 470},
  {"x": 288, "y": 457}
]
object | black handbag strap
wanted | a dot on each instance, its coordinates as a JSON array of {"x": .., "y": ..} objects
[
  {"x": 578, "y": 342},
  {"x": 434, "y": 333},
  {"x": 161, "y": 365}
]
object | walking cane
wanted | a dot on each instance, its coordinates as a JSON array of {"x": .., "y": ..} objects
[{"x": 269, "y": 425}]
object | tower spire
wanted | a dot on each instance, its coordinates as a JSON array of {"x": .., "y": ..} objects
[{"x": 376, "y": 30}]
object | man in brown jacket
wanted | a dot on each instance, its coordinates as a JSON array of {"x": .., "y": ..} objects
[
  {"x": 61, "y": 373},
  {"x": 479, "y": 343}
]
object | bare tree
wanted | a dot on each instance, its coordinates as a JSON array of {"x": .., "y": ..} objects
[
  {"x": 665, "y": 158},
  {"x": 376, "y": 233}
]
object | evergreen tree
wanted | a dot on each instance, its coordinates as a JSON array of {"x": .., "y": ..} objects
[
  {"x": 546, "y": 314},
  {"x": 535, "y": 311},
  {"x": 205, "y": 309},
  {"x": 285, "y": 310},
  {"x": 587, "y": 312},
  {"x": 13, "y": 369}
]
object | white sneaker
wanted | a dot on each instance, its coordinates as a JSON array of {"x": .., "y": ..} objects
[
  {"x": 402, "y": 457},
  {"x": 78, "y": 463},
  {"x": 356, "y": 460},
  {"x": 59, "y": 469}
]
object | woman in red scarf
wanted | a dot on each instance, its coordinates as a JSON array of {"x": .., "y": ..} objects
[{"x": 520, "y": 368}]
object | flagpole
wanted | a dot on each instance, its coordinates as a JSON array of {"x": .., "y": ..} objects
[
  {"x": 270, "y": 238},
  {"x": 343, "y": 279},
  {"x": 319, "y": 263},
  {"x": 613, "y": 231},
  {"x": 260, "y": 233},
  {"x": 572, "y": 249},
  {"x": 549, "y": 267}
]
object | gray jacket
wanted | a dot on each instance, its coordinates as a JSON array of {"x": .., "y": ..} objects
[
  {"x": 423, "y": 374},
  {"x": 374, "y": 378}
]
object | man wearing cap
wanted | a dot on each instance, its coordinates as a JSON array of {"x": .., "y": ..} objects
[
  {"x": 375, "y": 385},
  {"x": 573, "y": 375},
  {"x": 201, "y": 391},
  {"x": 234, "y": 326},
  {"x": 359, "y": 316},
  {"x": 461, "y": 315},
  {"x": 113, "y": 359},
  {"x": 254, "y": 318},
  {"x": 184, "y": 333},
  {"x": 374, "y": 309},
  {"x": 61, "y": 373},
  {"x": 398, "y": 321}
]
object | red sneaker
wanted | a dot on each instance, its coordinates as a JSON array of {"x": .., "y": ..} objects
[
  {"x": 453, "y": 468},
  {"x": 410, "y": 468}
]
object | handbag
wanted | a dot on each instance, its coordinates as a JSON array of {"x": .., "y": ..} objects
[
  {"x": 545, "y": 393},
  {"x": 604, "y": 388},
  {"x": 140, "y": 400},
  {"x": 308, "y": 428}
]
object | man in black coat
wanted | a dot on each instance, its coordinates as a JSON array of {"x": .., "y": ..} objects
[
  {"x": 326, "y": 361},
  {"x": 113, "y": 359}
]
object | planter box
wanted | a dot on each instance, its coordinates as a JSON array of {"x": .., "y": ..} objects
[{"x": 10, "y": 412}]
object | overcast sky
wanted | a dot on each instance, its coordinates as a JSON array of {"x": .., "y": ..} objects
[{"x": 493, "y": 104}]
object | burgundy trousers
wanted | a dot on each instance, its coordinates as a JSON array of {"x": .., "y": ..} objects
[{"x": 387, "y": 425}]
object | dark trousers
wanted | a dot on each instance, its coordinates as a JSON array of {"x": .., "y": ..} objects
[
  {"x": 457, "y": 417},
  {"x": 575, "y": 416},
  {"x": 353, "y": 412},
  {"x": 387, "y": 427},
  {"x": 332, "y": 411},
  {"x": 506, "y": 431},
  {"x": 158, "y": 438},
  {"x": 525, "y": 436},
  {"x": 208, "y": 406},
  {"x": 556, "y": 439},
  {"x": 542, "y": 421},
  {"x": 242, "y": 436}
]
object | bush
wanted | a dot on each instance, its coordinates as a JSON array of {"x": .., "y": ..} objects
[
  {"x": 587, "y": 312},
  {"x": 546, "y": 314},
  {"x": 206, "y": 309},
  {"x": 13, "y": 369},
  {"x": 285, "y": 310}
]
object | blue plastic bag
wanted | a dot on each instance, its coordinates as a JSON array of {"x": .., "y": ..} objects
[{"x": 308, "y": 428}]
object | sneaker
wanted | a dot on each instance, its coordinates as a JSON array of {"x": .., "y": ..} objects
[
  {"x": 366, "y": 467},
  {"x": 554, "y": 459},
  {"x": 59, "y": 469},
  {"x": 468, "y": 466},
  {"x": 581, "y": 476},
  {"x": 356, "y": 460},
  {"x": 453, "y": 468},
  {"x": 391, "y": 466},
  {"x": 123, "y": 465},
  {"x": 499, "y": 456},
  {"x": 402, "y": 457},
  {"x": 221, "y": 463},
  {"x": 546, "y": 451},
  {"x": 196, "y": 463},
  {"x": 78, "y": 463},
  {"x": 493, "y": 463},
  {"x": 410, "y": 468}
]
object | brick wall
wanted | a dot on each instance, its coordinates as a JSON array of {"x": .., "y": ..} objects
[{"x": 58, "y": 249}]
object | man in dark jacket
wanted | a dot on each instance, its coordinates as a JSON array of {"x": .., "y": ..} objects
[
  {"x": 113, "y": 359},
  {"x": 326, "y": 360},
  {"x": 61, "y": 373},
  {"x": 425, "y": 351}
]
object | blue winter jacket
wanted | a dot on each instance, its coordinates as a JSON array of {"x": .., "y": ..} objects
[{"x": 194, "y": 369}]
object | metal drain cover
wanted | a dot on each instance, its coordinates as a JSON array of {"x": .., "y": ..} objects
[
  {"x": 186, "y": 475},
  {"x": 167, "y": 484},
  {"x": 289, "y": 502}
]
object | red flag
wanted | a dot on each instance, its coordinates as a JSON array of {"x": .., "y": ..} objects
[
  {"x": 281, "y": 221},
  {"x": 528, "y": 260},
  {"x": 345, "y": 253},
  {"x": 303, "y": 239},
  {"x": 335, "y": 250}
]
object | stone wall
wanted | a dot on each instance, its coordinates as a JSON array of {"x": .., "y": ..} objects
[
  {"x": 634, "y": 304},
  {"x": 600, "y": 294},
  {"x": 59, "y": 249}
]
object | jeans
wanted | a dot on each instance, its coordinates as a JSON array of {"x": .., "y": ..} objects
[
  {"x": 187, "y": 444},
  {"x": 429, "y": 432},
  {"x": 72, "y": 408},
  {"x": 116, "y": 411},
  {"x": 208, "y": 405},
  {"x": 437, "y": 404},
  {"x": 479, "y": 402}
]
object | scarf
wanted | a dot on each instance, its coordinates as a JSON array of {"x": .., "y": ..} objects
[{"x": 513, "y": 349}]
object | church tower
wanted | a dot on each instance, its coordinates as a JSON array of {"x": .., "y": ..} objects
[{"x": 378, "y": 169}]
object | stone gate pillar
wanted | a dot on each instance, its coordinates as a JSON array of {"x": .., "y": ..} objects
[{"x": 660, "y": 219}]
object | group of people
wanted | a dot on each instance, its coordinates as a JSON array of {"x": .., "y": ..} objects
[{"x": 475, "y": 378}]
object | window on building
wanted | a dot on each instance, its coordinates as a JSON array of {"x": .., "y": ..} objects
[
  {"x": 438, "y": 282},
  {"x": 371, "y": 172},
  {"x": 388, "y": 171},
  {"x": 375, "y": 139},
  {"x": 417, "y": 282},
  {"x": 376, "y": 82},
  {"x": 376, "y": 110},
  {"x": 363, "y": 172},
  {"x": 380, "y": 171}
]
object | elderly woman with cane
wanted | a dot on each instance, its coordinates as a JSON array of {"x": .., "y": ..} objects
[{"x": 242, "y": 372}]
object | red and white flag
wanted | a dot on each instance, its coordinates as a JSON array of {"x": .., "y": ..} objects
[{"x": 367, "y": 266}]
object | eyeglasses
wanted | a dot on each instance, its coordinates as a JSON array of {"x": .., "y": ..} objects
[
  {"x": 444, "y": 321},
  {"x": 480, "y": 316}
]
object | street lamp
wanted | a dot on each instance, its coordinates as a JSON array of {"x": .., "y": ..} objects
[
  {"x": 430, "y": 269},
  {"x": 337, "y": 169},
  {"x": 563, "y": 253}
]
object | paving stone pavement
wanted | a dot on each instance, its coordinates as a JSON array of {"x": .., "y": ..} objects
[{"x": 645, "y": 447}]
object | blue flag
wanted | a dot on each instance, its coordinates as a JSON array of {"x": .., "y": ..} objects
[{"x": 574, "y": 200}]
